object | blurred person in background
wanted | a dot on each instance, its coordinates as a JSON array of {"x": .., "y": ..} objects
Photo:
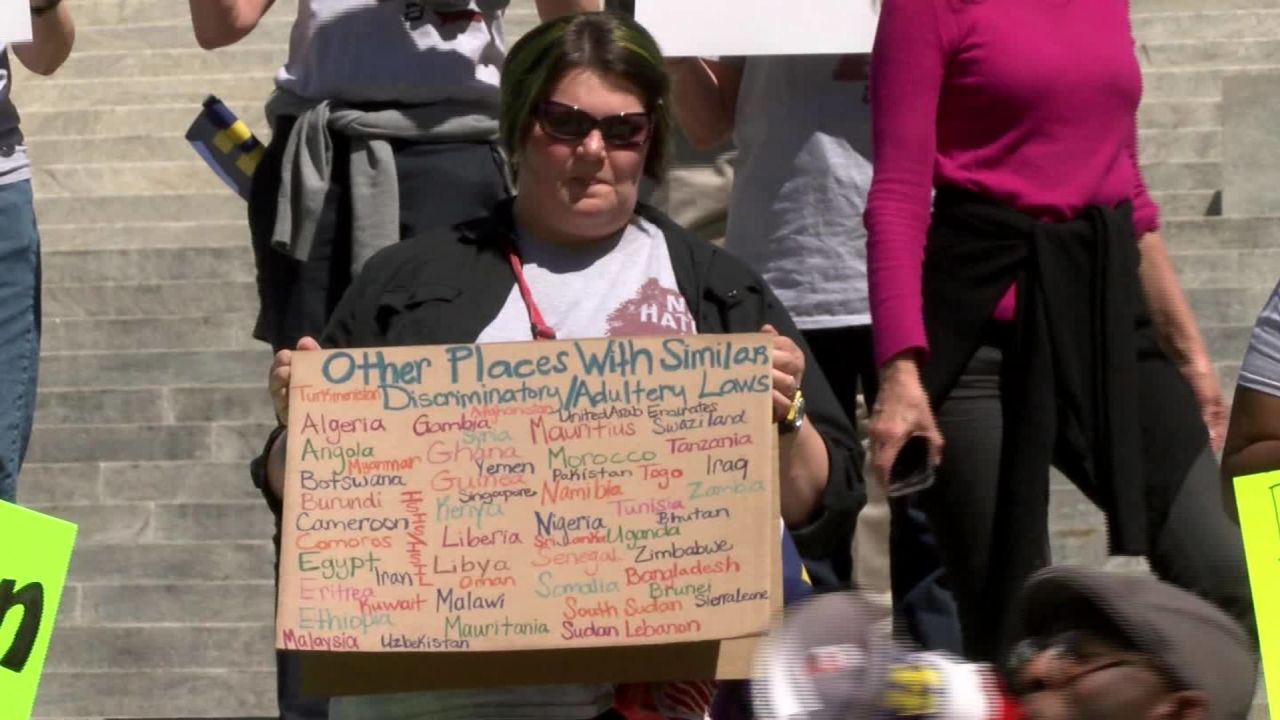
[
  {"x": 802, "y": 129},
  {"x": 53, "y": 34},
  {"x": 1020, "y": 288},
  {"x": 1253, "y": 438},
  {"x": 384, "y": 123}
]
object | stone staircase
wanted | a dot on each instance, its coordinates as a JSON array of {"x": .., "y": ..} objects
[{"x": 152, "y": 394}]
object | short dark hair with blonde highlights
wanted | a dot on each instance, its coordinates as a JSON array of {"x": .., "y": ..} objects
[{"x": 607, "y": 43}]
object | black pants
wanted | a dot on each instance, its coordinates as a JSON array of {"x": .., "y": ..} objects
[
  {"x": 924, "y": 609},
  {"x": 1193, "y": 543},
  {"x": 440, "y": 184}
]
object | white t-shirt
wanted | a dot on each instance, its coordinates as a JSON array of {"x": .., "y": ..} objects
[
  {"x": 14, "y": 165},
  {"x": 625, "y": 287},
  {"x": 1261, "y": 368},
  {"x": 405, "y": 51},
  {"x": 800, "y": 186}
]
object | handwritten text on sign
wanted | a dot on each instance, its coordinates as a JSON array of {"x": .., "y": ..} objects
[{"x": 529, "y": 495}]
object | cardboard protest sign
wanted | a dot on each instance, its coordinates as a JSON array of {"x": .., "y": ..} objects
[
  {"x": 1258, "y": 503},
  {"x": 15, "y": 21},
  {"x": 582, "y": 506},
  {"x": 715, "y": 28},
  {"x": 33, "y": 568}
]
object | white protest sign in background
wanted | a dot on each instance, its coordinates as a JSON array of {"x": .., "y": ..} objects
[
  {"x": 711, "y": 28},
  {"x": 15, "y": 21}
]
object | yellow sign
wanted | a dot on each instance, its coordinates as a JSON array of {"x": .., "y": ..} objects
[
  {"x": 35, "y": 550},
  {"x": 1258, "y": 501}
]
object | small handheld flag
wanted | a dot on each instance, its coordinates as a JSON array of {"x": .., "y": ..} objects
[{"x": 227, "y": 145}]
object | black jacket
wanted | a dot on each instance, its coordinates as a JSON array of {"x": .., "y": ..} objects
[
  {"x": 447, "y": 286},
  {"x": 1084, "y": 384}
]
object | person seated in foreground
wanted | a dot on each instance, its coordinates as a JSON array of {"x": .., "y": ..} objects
[
  {"x": 585, "y": 117},
  {"x": 1083, "y": 644}
]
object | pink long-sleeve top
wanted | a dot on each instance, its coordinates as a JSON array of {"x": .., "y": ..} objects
[{"x": 1029, "y": 102}]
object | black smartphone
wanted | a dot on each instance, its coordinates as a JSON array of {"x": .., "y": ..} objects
[{"x": 911, "y": 471}]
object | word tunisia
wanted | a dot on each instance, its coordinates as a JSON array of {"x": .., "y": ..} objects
[{"x": 470, "y": 363}]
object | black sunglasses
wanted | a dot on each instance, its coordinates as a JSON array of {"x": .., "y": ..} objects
[
  {"x": 568, "y": 123},
  {"x": 1083, "y": 652}
]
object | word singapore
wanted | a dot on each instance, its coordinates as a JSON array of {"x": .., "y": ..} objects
[{"x": 529, "y": 495}]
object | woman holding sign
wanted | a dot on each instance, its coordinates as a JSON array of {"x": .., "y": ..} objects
[
  {"x": 584, "y": 117},
  {"x": 1032, "y": 304}
]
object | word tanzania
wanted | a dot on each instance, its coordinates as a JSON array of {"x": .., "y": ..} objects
[{"x": 467, "y": 363}]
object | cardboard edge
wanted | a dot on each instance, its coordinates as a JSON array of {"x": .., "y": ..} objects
[{"x": 336, "y": 674}]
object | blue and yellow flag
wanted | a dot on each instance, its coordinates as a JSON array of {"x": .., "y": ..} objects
[{"x": 227, "y": 145}]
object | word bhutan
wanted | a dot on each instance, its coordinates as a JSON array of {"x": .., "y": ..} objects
[{"x": 673, "y": 518}]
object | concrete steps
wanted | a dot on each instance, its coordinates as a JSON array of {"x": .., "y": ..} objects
[
  {"x": 130, "y": 209},
  {"x": 242, "y": 93},
  {"x": 1181, "y": 145},
  {"x": 1187, "y": 203},
  {"x": 1208, "y": 24},
  {"x": 116, "y": 13},
  {"x": 174, "y": 33},
  {"x": 152, "y": 396},
  {"x": 115, "y": 121}
]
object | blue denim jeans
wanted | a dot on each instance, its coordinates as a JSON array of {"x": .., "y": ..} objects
[{"x": 19, "y": 328}]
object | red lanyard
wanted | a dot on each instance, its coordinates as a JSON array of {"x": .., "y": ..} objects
[{"x": 541, "y": 330}]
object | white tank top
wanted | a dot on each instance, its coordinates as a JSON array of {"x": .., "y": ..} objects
[{"x": 406, "y": 51}]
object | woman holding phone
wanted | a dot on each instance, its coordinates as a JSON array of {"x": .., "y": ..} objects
[{"x": 1032, "y": 304}]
